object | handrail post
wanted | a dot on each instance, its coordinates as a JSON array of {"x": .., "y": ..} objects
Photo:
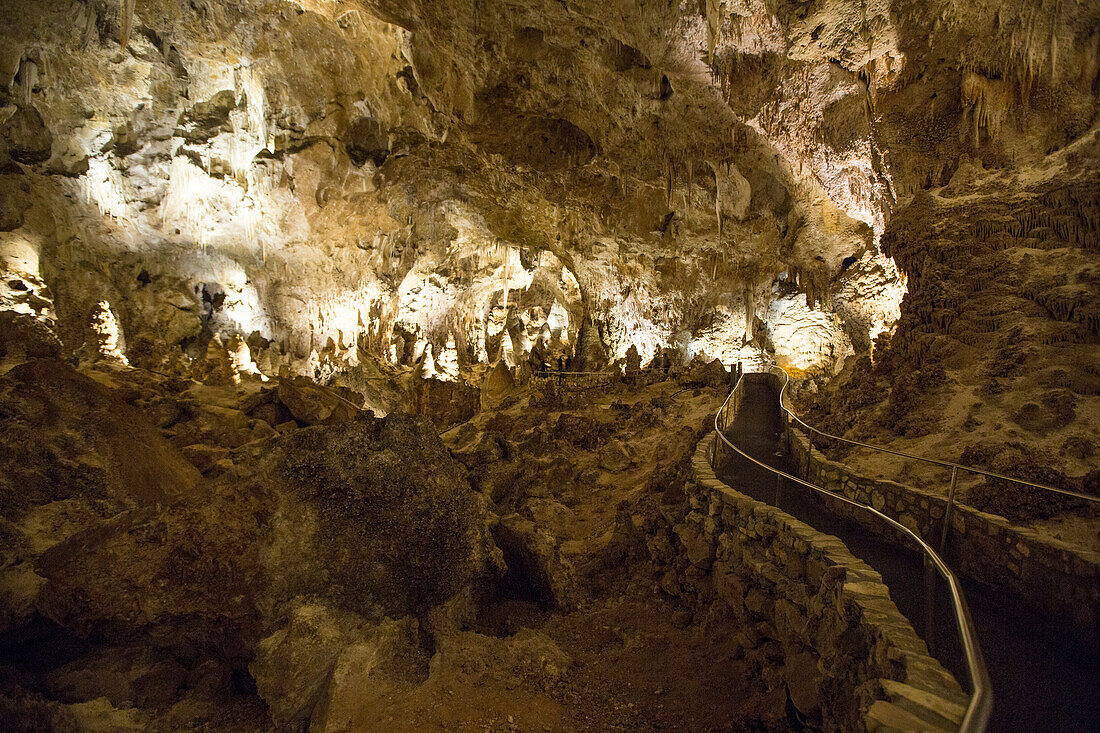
[
  {"x": 809, "y": 453},
  {"x": 929, "y": 604},
  {"x": 950, "y": 506}
]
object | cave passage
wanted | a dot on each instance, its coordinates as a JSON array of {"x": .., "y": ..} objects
[{"x": 1043, "y": 673}]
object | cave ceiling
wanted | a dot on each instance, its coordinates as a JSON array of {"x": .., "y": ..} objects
[{"x": 662, "y": 173}]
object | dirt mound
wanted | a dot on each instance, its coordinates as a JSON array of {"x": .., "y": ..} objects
[{"x": 65, "y": 436}]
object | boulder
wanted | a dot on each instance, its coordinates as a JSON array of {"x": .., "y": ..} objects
[
  {"x": 804, "y": 682},
  {"x": 312, "y": 404},
  {"x": 66, "y": 436},
  {"x": 383, "y": 511},
  {"x": 582, "y": 431},
  {"x": 23, "y": 336},
  {"x": 373, "y": 515},
  {"x": 205, "y": 457},
  {"x": 316, "y": 671},
  {"x": 614, "y": 456},
  {"x": 706, "y": 374},
  {"x": 185, "y": 578},
  {"x": 19, "y": 588}
]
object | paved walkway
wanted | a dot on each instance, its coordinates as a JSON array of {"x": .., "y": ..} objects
[{"x": 1045, "y": 675}]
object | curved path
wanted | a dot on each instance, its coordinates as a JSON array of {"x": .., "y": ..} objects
[{"x": 1045, "y": 674}]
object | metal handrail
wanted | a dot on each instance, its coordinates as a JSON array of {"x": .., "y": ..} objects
[
  {"x": 935, "y": 461},
  {"x": 554, "y": 373},
  {"x": 978, "y": 710}
]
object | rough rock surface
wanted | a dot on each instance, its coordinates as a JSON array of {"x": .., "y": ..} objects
[
  {"x": 413, "y": 208},
  {"x": 67, "y": 438},
  {"x": 992, "y": 363},
  {"x": 460, "y": 203},
  {"x": 382, "y": 508},
  {"x": 311, "y": 404},
  {"x": 322, "y": 661},
  {"x": 155, "y": 587}
]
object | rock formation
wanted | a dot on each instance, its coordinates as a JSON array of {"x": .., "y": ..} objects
[{"x": 351, "y": 351}]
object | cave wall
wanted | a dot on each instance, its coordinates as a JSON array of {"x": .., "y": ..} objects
[
  {"x": 318, "y": 177},
  {"x": 324, "y": 184}
]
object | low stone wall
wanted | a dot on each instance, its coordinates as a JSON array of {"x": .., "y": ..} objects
[
  {"x": 1051, "y": 576},
  {"x": 814, "y": 617}
]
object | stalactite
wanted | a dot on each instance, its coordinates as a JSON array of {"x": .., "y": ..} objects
[
  {"x": 28, "y": 79},
  {"x": 988, "y": 101},
  {"x": 126, "y": 22},
  {"x": 712, "y": 9}
]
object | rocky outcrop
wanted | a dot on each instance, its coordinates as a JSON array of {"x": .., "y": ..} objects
[
  {"x": 993, "y": 352},
  {"x": 455, "y": 193},
  {"x": 615, "y": 456},
  {"x": 69, "y": 439},
  {"x": 24, "y": 137},
  {"x": 311, "y": 404},
  {"x": 117, "y": 506},
  {"x": 382, "y": 508},
  {"x": 316, "y": 672}
]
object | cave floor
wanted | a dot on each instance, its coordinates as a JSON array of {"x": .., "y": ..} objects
[
  {"x": 604, "y": 648},
  {"x": 633, "y": 669}
]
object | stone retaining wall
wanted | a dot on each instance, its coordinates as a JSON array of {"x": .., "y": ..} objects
[
  {"x": 814, "y": 617},
  {"x": 1051, "y": 576}
]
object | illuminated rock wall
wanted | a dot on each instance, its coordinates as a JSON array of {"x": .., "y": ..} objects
[
  {"x": 323, "y": 177},
  {"x": 328, "y": 178}
]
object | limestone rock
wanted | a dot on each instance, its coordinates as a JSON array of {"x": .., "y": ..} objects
[
  {"x": 184, "y": 577},
  {"x": 204, "y": 457},
  {"x": 497, "y": 386},
  {"x": 334, "y": 512},
  {"x": 615, "y": 456},
  {"x": 25, "y": 337},
  {"x": 66, "y": 436},
  {"x": 712, "y": 373},
  {"x": 312, "y": 404},
  {"x": 315, "y": 671},
  {"x": 21, "y": 710},
  {"x": 531, "y": 554},
  {"x": 24, "y": 137},
  {"x": 19, "y": 589},
  {"x": 804, "y": 682},
  {"x": 100, "y": 716},
  {"x": 473, "y": 659},
  {"x": 388, "y": 488}
]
